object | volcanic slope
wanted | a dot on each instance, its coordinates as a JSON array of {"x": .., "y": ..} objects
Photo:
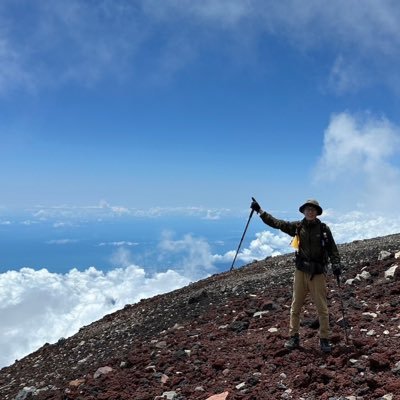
[{"x": 222, "y": 338}]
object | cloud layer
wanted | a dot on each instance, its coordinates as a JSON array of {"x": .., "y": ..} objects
[{"x": 40, "y": 306}]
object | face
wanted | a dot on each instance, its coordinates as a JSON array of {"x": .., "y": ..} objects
[{"x": 310, "y": 213}]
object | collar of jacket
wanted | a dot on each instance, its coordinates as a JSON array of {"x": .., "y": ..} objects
[{"x": 310, "y": 224}]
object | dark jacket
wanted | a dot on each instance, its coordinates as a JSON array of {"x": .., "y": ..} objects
[{"x": 312, "y": 246}]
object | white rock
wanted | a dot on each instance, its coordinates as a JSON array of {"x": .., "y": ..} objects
[
  {"x": 386, "y": 332},
  {"x": 388, "y": 396},
  {"x": 384, "y": 255},
  {"x": 370, "y": 314},
  {"x": 349, "y": 281},
  {"x": 25, "y": 393},
  {"x": 240, "y": 386},
  {"x": 260, "y": 314},
  {"x": 287, "y": 394},
  {"x": 273, "y": 330},
  {"x": 371, "y": 333},
  {"x": 102, "y": 371},
  {"x": 390, "y": 272},
  {"x": 169, "y": 395},
  {"x": 397, "y": 255},
  {"x": 365, "y": 275}
]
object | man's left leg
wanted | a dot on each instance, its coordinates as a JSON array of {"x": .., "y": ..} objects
[{"x": 318, "y": 293}]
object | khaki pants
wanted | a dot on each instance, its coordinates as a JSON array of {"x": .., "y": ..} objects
[{"x": 302, "y": 285}]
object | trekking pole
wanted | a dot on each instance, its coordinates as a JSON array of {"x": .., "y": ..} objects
[
  {"x": 342, "y": 307},
  {"x": 241, "y": 240}
]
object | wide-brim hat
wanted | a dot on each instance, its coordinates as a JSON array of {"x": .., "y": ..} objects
[{"x": 312, "y": 203}]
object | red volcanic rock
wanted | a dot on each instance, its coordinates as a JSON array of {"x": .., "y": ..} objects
[
  {"x": 379, "y": 361},
  {"x": 222, "y": 339}
]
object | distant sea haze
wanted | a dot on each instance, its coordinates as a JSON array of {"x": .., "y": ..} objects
[
  {"x": 110, "y": 244},
  {"x": 157, "y": 244}
]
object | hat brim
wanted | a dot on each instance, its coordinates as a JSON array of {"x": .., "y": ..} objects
[{"x": 318, "y": 208}]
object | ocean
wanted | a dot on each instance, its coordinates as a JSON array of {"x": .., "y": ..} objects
[{"x": 59, "y": 247}]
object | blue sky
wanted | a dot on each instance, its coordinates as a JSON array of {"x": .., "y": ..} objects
[
  {"x": 181, "y": 103},
  {"x": 128, "y": 125}
]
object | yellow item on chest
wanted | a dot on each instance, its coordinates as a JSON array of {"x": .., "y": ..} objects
[{"x": 295, "y": 243}]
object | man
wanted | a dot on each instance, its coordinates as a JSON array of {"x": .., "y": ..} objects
[{"x": 315, "y": 243}]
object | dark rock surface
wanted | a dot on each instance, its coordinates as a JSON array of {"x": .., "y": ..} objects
[{"x": 224, "y": 336}]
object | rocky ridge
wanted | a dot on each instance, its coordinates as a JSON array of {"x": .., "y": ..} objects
[{"x": 222, "y": 338}]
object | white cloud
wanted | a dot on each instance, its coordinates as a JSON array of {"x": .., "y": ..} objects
[
  {"x": 347, "y": 76},
  {"x": 213, "y": 214},
  {"x": 357, "y": 225},
  {"x": 12, "y": 71},
  {"x": 358, "y": 157},
  {"x": 118, "y": 244},
  {"x": 62, "y": 224},
  {"x": 345, "y": 227},
  {"x": 361, "y": 39},
  {"x": 28, "y": 222},
  {"x": 65, "y": 214},
  {"x": 39, "y": 306},
  {"x": 74, "y": 41},
  {"x": 264, "y": 245},
  {"x": 122, "y": 256},
  {"x": 67, "y": 41},
  {"x": 61, "y": 241},
  {"x": 194, "y": 254}
]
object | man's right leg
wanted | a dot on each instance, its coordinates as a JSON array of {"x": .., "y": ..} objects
[{"x": 300, "y": 290}]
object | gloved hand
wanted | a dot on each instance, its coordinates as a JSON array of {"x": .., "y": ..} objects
[
  {"x": 255, "y": 206},
  {"x": 336, "y": 269}
]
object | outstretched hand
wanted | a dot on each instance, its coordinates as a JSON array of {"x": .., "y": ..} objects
[{"x": 255, "y": 206}]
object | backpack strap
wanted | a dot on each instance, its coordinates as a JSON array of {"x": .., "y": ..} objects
[{"x": 324, "y": 242}]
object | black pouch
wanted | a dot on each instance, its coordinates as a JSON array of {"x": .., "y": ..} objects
[
  {"x": 314, "y": 268},
  {"x": 298, "y": 262},
  {"x": 310, "y": 267},
  {"x": 319, "y": 268}
]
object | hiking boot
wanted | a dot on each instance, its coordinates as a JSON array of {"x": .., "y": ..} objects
[
  {"x": 293, "y": 342},
  {"x": 325, "y": 345}
]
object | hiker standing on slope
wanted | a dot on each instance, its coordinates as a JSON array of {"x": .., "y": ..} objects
[{"x": 314, "y": 242}]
